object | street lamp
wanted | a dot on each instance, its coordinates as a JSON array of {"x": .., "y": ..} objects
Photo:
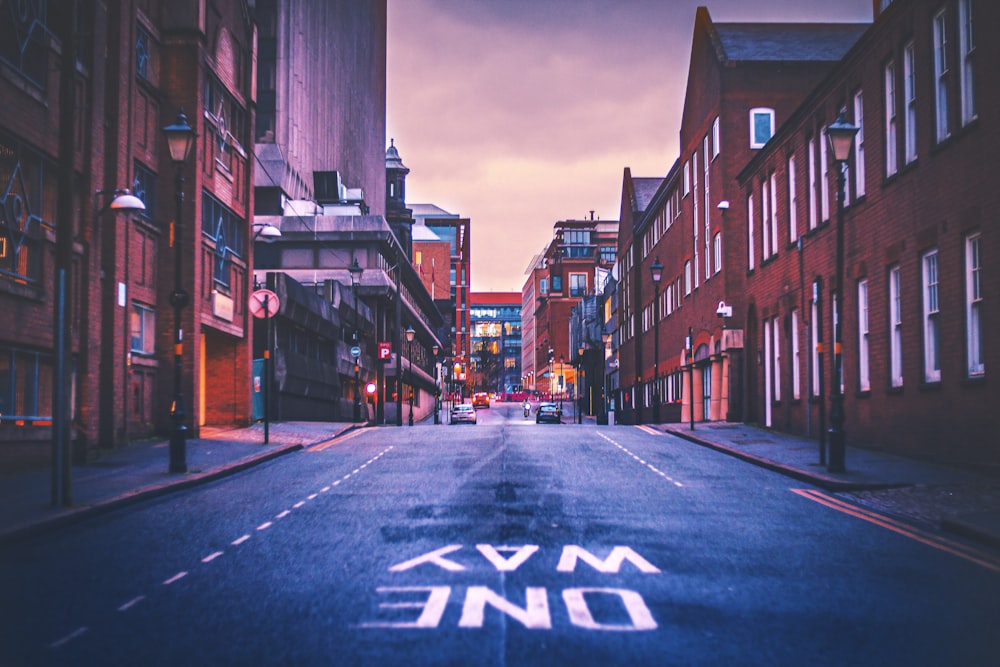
[
  {"x": 840, "y": 135},
  {"x": 356, "y": 271},
  {"x": 410, "y": 333},
  {"x": 180, "y": 138},
  {"x": 656, "y": 273},
  {"x": 690, "y": 353},
  {"x": 437, "y": 389},
  {"x": 561, "y": 383},
  {"x": 267, "y": 233},
  {"x": 577, "y": 385}
]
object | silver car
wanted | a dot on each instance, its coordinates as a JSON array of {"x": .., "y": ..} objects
[{"x": 463, "y": 413}]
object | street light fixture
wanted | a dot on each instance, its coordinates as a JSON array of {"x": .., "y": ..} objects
[
  {"x": 840, "y": 135},
  {"x": 561, "y": 383},
  {"x": 437, "y": 389},
  {"x": 410, "y": 333},
  {"x": 577, "y": 385},
  {"x": 656, "y": 273},
  {"x": 356, "y": 271},
  {"x": 180, "y": 138}
]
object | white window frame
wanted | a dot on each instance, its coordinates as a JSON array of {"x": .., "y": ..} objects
[
  {"x": 776, "y": 351},
  {"x": 716, "y": 146},
  {"x": 717, "y": 251},
  {"x": 974, "y": 306},
  {"x": 910, "y": 99},
  {"x": 772, "y": 227},
  {"x": 967, "y": 51},
  {"x": 864, "y": 361},
  {"x": 891, "y": 151},
  {"x": 765, "y": 219},
  {"x": 793, "y": 219},
  {"x": 811, "y": 191},
  {"x": 824, "y": 182},
  {"x": 144, "y": 318},
  {"x": 859, "y": 145},
  {"x": 796, "y": 357},
  {"x": 694, "y": 217},
  {"x": 940, "y": 34},
  {"x": 931, "y": 313},
  {"x": 814, "y": 346},
  {"x": 751, "y": 251},
  {"x": 895, "y": 327},
  {"x": 687, "y": 278},
  {"x": 763, "y": 112},
  {"x": 708, "y": 210},
  {"x": 686, "y": 179}
]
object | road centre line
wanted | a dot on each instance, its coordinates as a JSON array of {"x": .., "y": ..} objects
[
  {"x": 968, "y": 553},
  {"x": 68, "y": 638},
  {"x": 175, "y": 578},
  {"x": 644, "y": 462},
  {"x": 337, "y": 440},
  {"x": 240, "y": 540},
  {"x": 131, "y": 603},
  {"x": 210, "y": 557}
]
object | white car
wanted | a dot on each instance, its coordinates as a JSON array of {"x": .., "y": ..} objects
[{"x": 463, "y": 413}]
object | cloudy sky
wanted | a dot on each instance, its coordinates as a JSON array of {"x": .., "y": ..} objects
[{"x": 519, "y": 113}]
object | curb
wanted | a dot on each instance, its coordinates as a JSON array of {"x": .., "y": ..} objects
[
  {"x": 74, "y": 514},
  {"x": 822, "y": 481}
]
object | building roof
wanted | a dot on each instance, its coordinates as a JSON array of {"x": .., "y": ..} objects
[
  {"x": 645, "y": 189},
  {"x": 423, "y": 234},
  {"x": 429, "y": 211},
  {"x": 792, "y": 42}
]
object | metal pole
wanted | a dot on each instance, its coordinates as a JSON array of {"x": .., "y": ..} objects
[
  {"x": 837, "y": 435},
  {"x": 178, "y": 299},
  {"x": 357, "y": 365},
  {"x": 656, "y": 355},
  {"x": 267, "y": 366},
  {"x": 409, "y": 361},
  {"x": 691, "y": 377},
  {"x": 399, "y": 350},
  {"x": 819, "y": 369}
]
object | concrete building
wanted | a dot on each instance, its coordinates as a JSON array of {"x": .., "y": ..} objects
[{"x": 496, "y": 340}]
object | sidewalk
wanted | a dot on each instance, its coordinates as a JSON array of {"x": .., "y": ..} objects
[
  {"x": 959, "y": 501},
  {"x": 140, "y": 471}
]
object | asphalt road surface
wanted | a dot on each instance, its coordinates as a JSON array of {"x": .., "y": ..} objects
[{"x": 503, "y": 543}]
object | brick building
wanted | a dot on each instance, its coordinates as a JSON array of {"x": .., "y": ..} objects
[
  {"x": 919, "y": 232},
  {"x": 744, "y": 80},
  {"x": 138, "y": 63}
]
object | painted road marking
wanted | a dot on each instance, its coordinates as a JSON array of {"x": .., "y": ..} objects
[
  {"x": 240, "y": 540},
  {"x": 175, "y": 578},
  {"x": 68, "y": 638},
  {"x": 131, "y": 603},
  {"x": 644, "y": 462},
  {"x": 939, "y": 542},
  {"x": 648, "y": 429},
  {"x": 336, "y": 441},
  {"x": 210, "y": 557}
]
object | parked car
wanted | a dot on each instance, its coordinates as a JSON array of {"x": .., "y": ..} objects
[
  {"x": 481, "y": 400},
  {"x": 463, "y": 413},
  {"x": 548, "y": 412}
]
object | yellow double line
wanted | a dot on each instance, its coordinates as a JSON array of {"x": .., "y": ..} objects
[
  {"x": 984, "y": 559},
  {"x": 340, "y": 438}
]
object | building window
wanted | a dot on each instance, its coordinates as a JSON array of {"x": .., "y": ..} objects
[
  {"x": 607, "y": 254},
  {"x": 910, "y": 98},
  {"x": 557, "y": 283},
  {"x": 227, "y": 231},
  {"x": 859, "y": 146},
  {"x": 24, "y": 38},
  {"x": 717, "y": 251},
  {"x": 814, "y": 345},
  {"x": 708, "y": 208},
  {"x": 694, "y": 216},
  {"x": 761, "y": 126},
  {"x": 811, "y": 192},
  {"x": 687, "y": 277},
  {"x": 27, "y": 202},
  {"x": 25, "y": 385},
  {"x": 824, "y": 182},
  {"x": 967, "y": 48},
  {"x": 144, "y": 187},
  {"x": 750, "y": 248},
  {"x": 793, "y": 219},
  {"x": 776, "y": 349},
  {"x": 143, "y": 54},
  {"x": 974, "y": 305},
  {"x": 577, "y": 284},
  {"x": 864, "y": 374},
  {"x": 932, "y": 363},
  {"x": 943, "y": 127},
  {"x": 895, "y": 329},
  {"x": 890, "y": 118},
  {"x": 772, "y": 224},
  {"x": 686, "y": 176},
  {"x": 716, "y": 146},
  {"x": 142, "y": 329},
  {"x": 765, "y": 223},
  {"x": 796, "y": 357}
]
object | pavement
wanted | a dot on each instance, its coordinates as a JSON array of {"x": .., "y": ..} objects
[{"x": 964, "y": 502}]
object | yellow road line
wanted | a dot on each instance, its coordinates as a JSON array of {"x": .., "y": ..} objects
[
  {"x": 649, "y": 429},
  {"x": 968, "y": 553},
  {"x": 341, "y": 438}
]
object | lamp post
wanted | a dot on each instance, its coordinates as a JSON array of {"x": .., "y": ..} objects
[
  {"x": 410, "y": 333},
  {"x": 180, "y": 138},
  {"x": 840, "y": 135},
  {"x": 577, "y": 385},
  {"x": 561, "y": 383},
  {"x": 267, "y": 233},
  {"x": 356, "y": 271},
  {"x": 437, "y": 389},
  {"x": 690, "y": 352},
  {"x": 656, "y": 273}
]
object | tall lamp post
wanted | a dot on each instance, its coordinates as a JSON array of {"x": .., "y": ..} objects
[
  {"x": 577, "y": 386},
  {"x": 840, "y": 135},
  {"x": 437, "y": 389},
  {"x": 410, "y": 333},
  {"x": 690, "y": 353},
  {"x": 356, "y": 271},
  {"x": 656, "y": 273},
  {"x": 180, "y": 138}
]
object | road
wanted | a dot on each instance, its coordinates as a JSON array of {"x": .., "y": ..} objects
[{"x": 503, "y": 543}]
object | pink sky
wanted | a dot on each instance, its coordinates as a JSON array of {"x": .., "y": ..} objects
[{"x": 519, "y": 113}]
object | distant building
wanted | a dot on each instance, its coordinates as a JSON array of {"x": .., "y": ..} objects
[{"x": 496, "y": 340}]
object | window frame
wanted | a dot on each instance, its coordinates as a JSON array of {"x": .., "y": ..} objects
[
  {"x": 864, "y": 351},
  {"x": 976, "y": 365},
  {"x": 942, "y": 122},
  {"x": 755, "y": 139},
  {"x": 895, "y": 327},
  {"x": 930, "y": 304}
]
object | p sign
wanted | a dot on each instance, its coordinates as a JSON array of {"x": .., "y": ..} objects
[{"x": 384, "y": 351}]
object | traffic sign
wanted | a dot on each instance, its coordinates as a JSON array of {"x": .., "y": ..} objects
[
  {"x": 258, "y": 300},
  {"x": 384, "y": 351},
  {"x": 355, "y": 351}
]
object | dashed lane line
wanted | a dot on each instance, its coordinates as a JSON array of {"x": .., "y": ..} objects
[
  {"x": 79, "y": 632},
  {"x": 643, "y": 462}
]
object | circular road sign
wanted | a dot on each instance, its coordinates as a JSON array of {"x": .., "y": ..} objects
[
  {"x": 257, "y": 300},
  {"x": 355, "y": 351}
]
